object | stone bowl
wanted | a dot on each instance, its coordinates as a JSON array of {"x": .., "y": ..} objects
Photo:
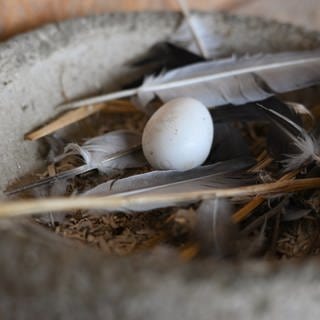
[{"x": 45, "y": 276}]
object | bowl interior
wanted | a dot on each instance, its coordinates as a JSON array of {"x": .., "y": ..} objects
[{"x": 41, "y": 69}]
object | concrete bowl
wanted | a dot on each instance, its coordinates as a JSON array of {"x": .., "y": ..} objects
[{"x": 44, "y": 276}]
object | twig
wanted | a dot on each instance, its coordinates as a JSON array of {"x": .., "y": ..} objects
[
  {"x": 261, "y": 165},
  {"x": 119, "y": 202},
  {"x": 245, "y": 211},
  {"x": 77, "y": 115},
  {"x": 189, "y": 252}
]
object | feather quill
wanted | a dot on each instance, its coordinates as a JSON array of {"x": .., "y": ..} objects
[
  {"x": 116, "y": 150},
  {"x": 194, "y": 28},
  {"x": 167, "y": 181},
  {"x": 233, "y": 80}
]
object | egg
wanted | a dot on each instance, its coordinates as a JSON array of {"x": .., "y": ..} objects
[{"x": 178, "y": 135}]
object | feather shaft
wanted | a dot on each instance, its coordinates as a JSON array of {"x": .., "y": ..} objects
[
  {"x": 172, "y": 180},
  {"x": 71, "y": 173},
  {"x": 99, "y": 99},
  {"x": 185, "y": 10}
]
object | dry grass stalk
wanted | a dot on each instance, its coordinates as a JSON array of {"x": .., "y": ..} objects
[
  {"x": 114, "y": 202},
  {"x": 261, "y": 165},
  {"x": 79, "y": 114},
  {"x": 245, "y": 211}
]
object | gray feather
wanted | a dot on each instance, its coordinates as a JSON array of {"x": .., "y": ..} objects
[
  {"x": 215, "y": 230},
  {"x": 94, "y": 151},
  {"x": 116, "y": 150},
  {"x": 165, "y": 182}
]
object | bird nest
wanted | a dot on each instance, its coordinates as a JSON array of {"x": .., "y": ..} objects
[{"x": 275, "y": 207}]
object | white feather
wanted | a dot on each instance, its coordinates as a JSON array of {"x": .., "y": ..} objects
[
  {"x": 234, "y": 80},
  {"x": 308, "y": 146},
  {"x": 309, "y": 149},
  {"x": 94, "y": 151},
  {"x": 116, "y": 150},
  {"x": 195, "y": 29},
  {"x": 207, "y": 43}
]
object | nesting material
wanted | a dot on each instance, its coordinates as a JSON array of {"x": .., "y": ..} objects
[{"x": 254, "y": 192}]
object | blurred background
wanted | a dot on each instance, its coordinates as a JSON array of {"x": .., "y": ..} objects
[{"x": 22, "y": 15}]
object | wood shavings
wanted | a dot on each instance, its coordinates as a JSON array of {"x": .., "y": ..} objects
[
  {"x": 123, "y": 234},
  {"x": 299, "y": 239}
]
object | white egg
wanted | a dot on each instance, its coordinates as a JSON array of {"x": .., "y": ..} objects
[{"x": 179, "y": 135}]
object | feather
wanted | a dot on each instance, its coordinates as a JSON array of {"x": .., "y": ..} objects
[
  {"x": 287, "y": 141},
  {"x": 251, "y": 112},
  {"x": 115, "y": 150},
  {"x": 56, "y": 189},
  {"x": 309, "y": 150},
  {"x": 55, "y": 145},
  {"x": 166, "y": 56},
  {"x": 270, "y": 111},
  {"x": 233, "y": 80},
  {"x": 194, "y": 28},
  {"x": 306, "y": 146},
  {"x": 279, "y": 143},
  {"x": 161, "y": 56},
  {"x": 195, "y": 40},
  {"x": 215, "y": 231},
  {"x": 204, "y": 30},
  {"x": 256, "y": 246},
  {"x": 168, "y": 181},
  {"x": 94, "y": 151},
  {"x": 228, "y": 143}
]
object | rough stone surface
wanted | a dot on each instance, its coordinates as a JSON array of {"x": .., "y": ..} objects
[
  {"x": 304, "y": 13},
  {"x": 44, "y": 277}
]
